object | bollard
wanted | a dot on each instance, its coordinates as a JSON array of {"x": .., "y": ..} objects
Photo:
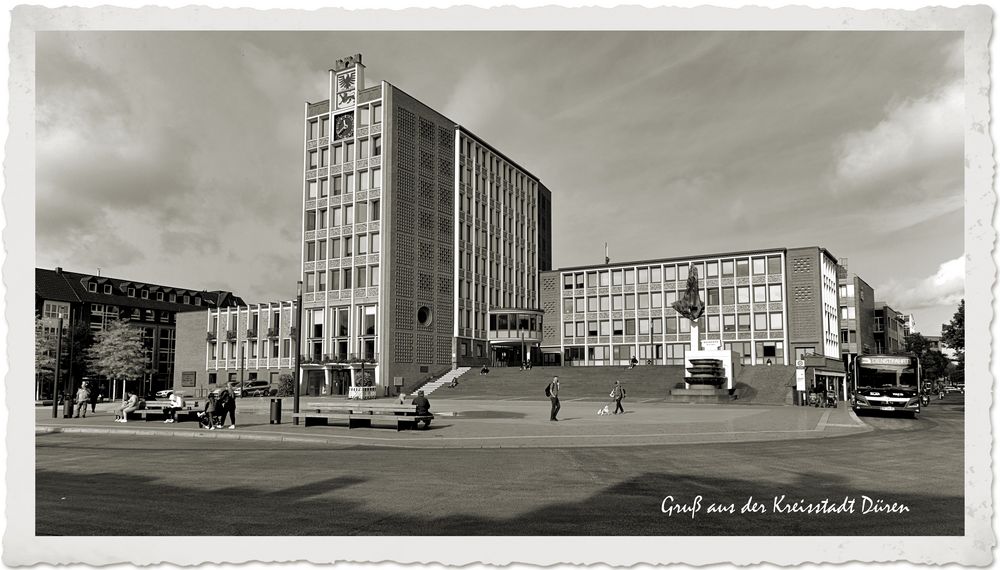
[
  {"x": 67, "y": 407},
  {"x": 275, "y": 410}
]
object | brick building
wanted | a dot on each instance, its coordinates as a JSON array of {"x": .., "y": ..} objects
[
  {"x": 857, "y": 315},
  {"x": 888, "y": 329},
  {"x": 96, "y": 300}
]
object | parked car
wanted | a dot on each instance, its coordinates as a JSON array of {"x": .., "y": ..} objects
[{"x": 255, "y": 388}]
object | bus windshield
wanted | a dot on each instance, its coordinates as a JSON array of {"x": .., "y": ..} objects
[{"x": 882, "y": 376}]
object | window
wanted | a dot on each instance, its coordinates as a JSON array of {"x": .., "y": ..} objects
[
  {"x": 643, "y": 300},
  {"x": 310, "y": 220},
  {"x": 324, "y": 127},
  {"x": 364, "y": 116},
  {"x": 376, "y": 146},
  {"x": 347, "y": 278},
  {"x": 669, "y": 273},
  {"x": 742, "y": 267},
  {"x": 334, "y": 280},
  {"x": 759, "y": 294},
  {"x": 321, "y": 219},
  {"x": 729, "y": 323},
  {"x": 671, "y": 325},
  {"x": 742, "y": 294},
  {"x": 605, "y": 328},
  {"x": 630, "y": 276},
  {"x": 712, "y": 269},
  {"x": 324, "y": 188},
  {"x": 617, "y": 326},
  {"x": 605, "y": 303},
  {"x": 145, "y": 295},
  {"x": 712, "y": 296},
  {"x": 774, "y": 265},
  {"x": 374, "y": 243},
  {"x": 107, "y": 291},
  {"x": 616, "y": 277},
  {"x": 349, "y": 183},
  {"x": 777, "y": 323},
  {"x": 338, "y": 154},
  {"x": 335, "y": 248},
  {"x": 630, "y": 326},
  {"x": 758, "y": 266},
  {"x": 348, "y": 215},
  {"x": 580, "y": 302},
  {"x": 644, "y": 275},
  {"x": 159, "y": 295},
  {"x": 760, "y": 321},
  {"x": 728, "y": 268},
  {"x": 591, "y": 328},
  {"x": 324, "y": 157},
  {"x": 605, "y": 279},
  {"x": 567, "y": 281},
  {"x": 310, "y": 251},
  {"x": 374, "y": 210},
  {"x": 313, "y": 159},
  {"x": 363, "y": 148},
  {"x": 321, "y": 281},
  {"x": 348, "y": 152},
  {"x": 657, "y": 325},
  {"x": 310, "y": 282},
  {"x": 592, "y": 304},
  {"x": 617, "y": 303},
  {"x": 376, "y": 177},
  {"x": 774, "y": 292},
  {"x": 713, "y": 323},
  {"x": 682, "y": 272},
  {"x": 376, "y": 113},
  {"x": 580, "y": 328},
  {"x": 743, "y": 322},
  {"x": 92, "y": 287},
  {"x": 313, "y": 130},
  {"x": 131, "y": 292},
  {"x": 656, "y": 301}
]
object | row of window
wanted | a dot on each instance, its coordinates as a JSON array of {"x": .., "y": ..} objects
[
  {"x": 344, "y": 215},
  {"x": 770, "y": 265},
  {"x": 672, "y": 354},
  {"x": 367, "y": 114},
  {"x": 145, "y": 294},
  {"x": 347, "y": 183},
  {"x": 251, "y": 349},
  {"x": 673, "y": 325},
  {"x": 342, "y": 153},
  {"x": 341, "y": 279},
  {"x": 660, "y": 300},
  {"x": 346, "y": 246},
  {"x": 339, "y": 321}
]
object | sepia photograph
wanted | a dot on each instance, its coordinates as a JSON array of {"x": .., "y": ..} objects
[{"x": 625, "y": 282}]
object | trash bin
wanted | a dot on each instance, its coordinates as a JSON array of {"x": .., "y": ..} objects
[
  {"x": 275, "y": 410},
  {"x": 68, "y": 408}
]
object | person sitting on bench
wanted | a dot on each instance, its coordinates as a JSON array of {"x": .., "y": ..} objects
[
  {"x": 130, "y": 404},
  {"x": 176, "y": 404},
  {"x": 423, "y": 409}
]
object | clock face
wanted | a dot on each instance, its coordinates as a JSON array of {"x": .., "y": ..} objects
[{"x": 343, "y": 126}]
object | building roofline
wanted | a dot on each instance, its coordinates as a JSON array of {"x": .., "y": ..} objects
[
  {"x": 494, "y": 149},
  {"x": 686, "y": 257}
]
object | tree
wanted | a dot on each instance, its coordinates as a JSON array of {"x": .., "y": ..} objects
[
  {"x": 953, "y": 336},
  {"x": 117, "y": 353},
  {"x": 932, "y": 362},
  {"x": 45, "y": 349}
]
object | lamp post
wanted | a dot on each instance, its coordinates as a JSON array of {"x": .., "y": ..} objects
[
  {"x": 55, "y": 378},
  {"x": 298, "y": 350}
]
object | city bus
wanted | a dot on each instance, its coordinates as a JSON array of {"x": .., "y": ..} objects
[{"x": 886, "y": 383}]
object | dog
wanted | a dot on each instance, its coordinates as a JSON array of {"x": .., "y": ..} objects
[{"x": 604, "y": 411}]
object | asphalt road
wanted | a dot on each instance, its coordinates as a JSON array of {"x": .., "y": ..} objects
[{"x": 124, "y": 485}]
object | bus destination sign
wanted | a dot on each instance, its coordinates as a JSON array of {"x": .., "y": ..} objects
[{"x": 896, "y": 360}]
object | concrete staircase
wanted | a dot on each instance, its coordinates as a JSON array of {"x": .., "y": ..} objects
[
  {"x": 765, "y": 384},
  {"x": 442, "y": 381},
  {"x": 576, "y": 382}
]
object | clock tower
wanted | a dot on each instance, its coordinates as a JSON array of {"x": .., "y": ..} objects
[{"x": 346, "y": 78}]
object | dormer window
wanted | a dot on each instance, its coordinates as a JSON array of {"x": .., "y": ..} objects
[
  {"x": 197, "y": 301},
  {"x": 145, "y": 294},
  {"x": 92, "y": 287},
  {"x": 187, "y": 299},
  {"x": 107, "y": 289},
  {"x": 159, "y": 295},
  {"x": 131, "y": 291},
  {"x": 173, "y": 297}
]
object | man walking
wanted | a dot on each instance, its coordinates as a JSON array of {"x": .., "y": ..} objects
[
  {"x": 552, "y": 391},
  {"x": 618, "y": 392},
  {"x": 82, "y": 400}
]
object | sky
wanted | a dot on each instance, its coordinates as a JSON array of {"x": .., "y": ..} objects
[{"x": 176, "y": 157}]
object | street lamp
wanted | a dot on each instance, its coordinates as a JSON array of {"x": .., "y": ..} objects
[
  {"x": 298, "y": 350},
  {"x": 55, "y": 378}
]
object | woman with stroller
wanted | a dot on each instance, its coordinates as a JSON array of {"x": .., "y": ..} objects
[{"x": 207, "y": 416}]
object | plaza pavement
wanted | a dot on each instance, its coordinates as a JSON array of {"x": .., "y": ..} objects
[{"x": 478, "y": 423}]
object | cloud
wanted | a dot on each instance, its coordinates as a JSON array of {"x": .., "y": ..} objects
[
  {"x": 913, "y": 142},
  {"x": 945, "y": 288}
]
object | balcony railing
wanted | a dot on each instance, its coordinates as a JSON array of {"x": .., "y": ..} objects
[
  {"x": 210, "y": 336},
  {"x": 272, "y": 332},
  {"x": 351, "y": 358},
  {"x": 251, "y": 333},
  {"x": 230, "y": 335}
]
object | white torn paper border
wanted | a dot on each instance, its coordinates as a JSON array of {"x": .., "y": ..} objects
[{"x": 22, "y": 547}]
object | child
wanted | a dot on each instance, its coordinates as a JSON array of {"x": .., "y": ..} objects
[{"x": 207, "y": 417}]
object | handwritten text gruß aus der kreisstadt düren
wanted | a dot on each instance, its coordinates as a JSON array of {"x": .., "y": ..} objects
[{"x": 864, "y": 505}]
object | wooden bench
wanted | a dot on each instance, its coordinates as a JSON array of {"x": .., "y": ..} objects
[
  {"x": 181, "y": 415},
  {"x": 360, "y": 415}
]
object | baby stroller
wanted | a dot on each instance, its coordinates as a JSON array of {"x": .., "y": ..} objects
[
  {"x": 208, "y": 421},
  {"x": 831, "y": 400}
]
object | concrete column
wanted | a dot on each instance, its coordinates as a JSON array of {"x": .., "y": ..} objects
[{"x": 326, "y": 381}]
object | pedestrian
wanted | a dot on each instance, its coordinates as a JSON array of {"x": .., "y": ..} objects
[
  {"x": 176, "y": 404},
  {"x": 618, "y": 393},
  {"x": 93, "y": 397},
  {"x": 82, "y": 399},
  {"x": 227, "y": 406},
  {"x": 632, "y": 363},
  {"x": 484, "y": 371},
  {"x": 129, "y": 404},
  {"x": 423, "y": 409},
  {"x": 552, "y": 391}
]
